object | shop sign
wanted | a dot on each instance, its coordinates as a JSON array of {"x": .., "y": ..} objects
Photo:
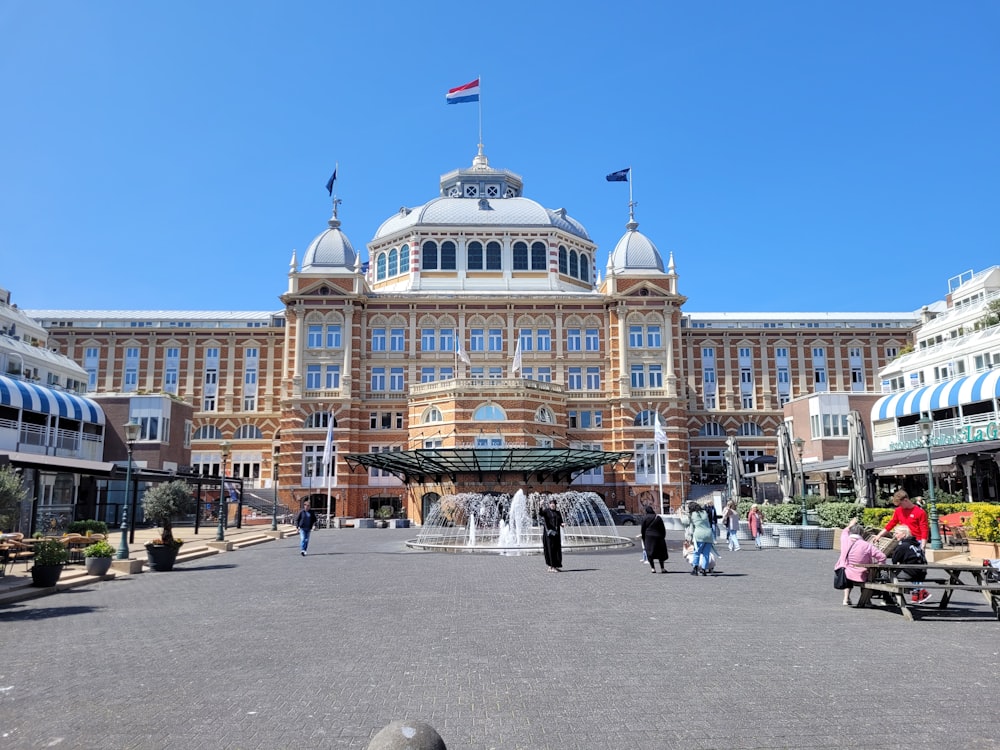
[{"x": 967, "y": 434}]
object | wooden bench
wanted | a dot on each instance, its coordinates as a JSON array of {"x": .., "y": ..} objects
[{"x": 898, "y": 592}]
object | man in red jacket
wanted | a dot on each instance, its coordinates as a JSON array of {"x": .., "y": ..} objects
[{"x": 909, "y": 514}]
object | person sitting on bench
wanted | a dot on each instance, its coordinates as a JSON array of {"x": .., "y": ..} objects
[{"x": 909, "y": 552}]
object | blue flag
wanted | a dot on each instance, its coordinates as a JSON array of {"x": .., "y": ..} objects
[
  {"x": 329, "y": 183},
  {"x": 620, "y": 176}
]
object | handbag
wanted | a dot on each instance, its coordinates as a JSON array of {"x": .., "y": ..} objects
[{"x": 840, "y": 574}]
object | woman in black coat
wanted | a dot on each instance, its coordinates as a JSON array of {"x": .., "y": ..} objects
[
  {"x": 552, "y": 523},
  {"x": 654, "y": 539}
]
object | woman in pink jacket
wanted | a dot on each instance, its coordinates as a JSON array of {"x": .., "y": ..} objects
[{"x": 855, "y": 551}]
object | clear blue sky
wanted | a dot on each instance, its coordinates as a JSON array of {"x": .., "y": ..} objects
[{"x": 794, "y": 156}]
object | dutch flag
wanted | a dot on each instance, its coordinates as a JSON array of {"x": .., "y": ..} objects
[{"x": 467, "y": 93}]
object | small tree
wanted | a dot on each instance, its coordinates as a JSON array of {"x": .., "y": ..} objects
[
  {"x": 165, "y": 501},
  {"x": 991, "y": 315},
  {"x": 12, "y": 494}
]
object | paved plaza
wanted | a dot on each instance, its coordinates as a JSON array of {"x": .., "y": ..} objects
[{"x": 262, "y": 648}]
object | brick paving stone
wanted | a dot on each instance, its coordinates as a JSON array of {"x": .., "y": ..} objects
[{"x": 262, "y": 648}]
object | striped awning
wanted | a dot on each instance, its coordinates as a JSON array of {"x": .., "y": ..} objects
[
  {"x": 19, "y": 394},
  {"x": 950, "y": 393}
]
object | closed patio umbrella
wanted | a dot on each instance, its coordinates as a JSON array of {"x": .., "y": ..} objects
[
  {"x": 786, "y": 464},
  {"x": 858, "y": 454},
  {"x": 734, "y": 468}
]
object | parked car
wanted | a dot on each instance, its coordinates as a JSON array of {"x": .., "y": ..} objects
[{"x": 621, "y": 518}]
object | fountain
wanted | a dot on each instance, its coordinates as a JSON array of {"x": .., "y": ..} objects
[{"x": 500, "y": 524}]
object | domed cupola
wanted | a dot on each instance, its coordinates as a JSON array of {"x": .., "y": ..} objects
[
  {"x": 331, "y": 249},
  {"x": 635, "y": 251}
]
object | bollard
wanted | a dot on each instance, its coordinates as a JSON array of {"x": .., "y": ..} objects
[{"x": 407, "y": 735}]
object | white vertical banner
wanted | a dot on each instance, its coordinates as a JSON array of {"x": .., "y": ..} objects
[
  {"x": 515, "y": 366},
  {"x": 659, "y": 438},
  {"x": 327, "y": 461}
]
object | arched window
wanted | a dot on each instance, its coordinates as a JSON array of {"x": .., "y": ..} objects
[
  {"x": 318, "y": 420},
  {"x": 248, "y": 432},
  {"x": 493, "y": 256},
  {"x": 574, "y": 268},
  {"x": 489, "y": 413},
  {"x": 448, "y": 256},
  {"x": 474, "y": 255},
  {"x": 393, "y": 262},
  {"x": 585, "y": 268},
  {"x": 545, "y": 415},
  {"x": 646, "y": 419},
  {"x": 562, "y": 260},
  {"x": 432, "y": 414},
  {"x": 380, "y": 267},
  {"x": 750, "y": 429},
  {"x": 520, "y": 256},
  {"x": 430, "y": 262},
  {"x": 404, "y": 259},
  {"x": 207, "y": 432},
  {"x": 711, "y": 429},
  {"x": 538, "y": 254}
]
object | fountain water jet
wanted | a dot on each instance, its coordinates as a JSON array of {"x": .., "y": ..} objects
[{"x": 500, "y": 524}]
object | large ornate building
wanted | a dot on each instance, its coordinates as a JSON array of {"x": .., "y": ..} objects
[{"x": 480, "y": 319}]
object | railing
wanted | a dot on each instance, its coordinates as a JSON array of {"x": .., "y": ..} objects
[
  {"x": 485, "y": 384},
  {"x": 946, "y": 428}
]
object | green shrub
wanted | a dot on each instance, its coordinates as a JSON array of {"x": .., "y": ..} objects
[
  {"x": 985, "y": 522},
  {"x": 99, "y": 549},
  {"x": 51, "y": 552},
  {"x": 82, "y": 527},
  {"x": 787, "y": 513},
  {"x": 835, "y": 515}
]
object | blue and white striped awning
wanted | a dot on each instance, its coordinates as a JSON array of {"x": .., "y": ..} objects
[
  {"x": 37, "y": 398},
  {"x": 950, "y": 393}
]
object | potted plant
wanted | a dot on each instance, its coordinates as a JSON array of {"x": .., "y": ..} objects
[
  {"x": 984, "y": 531},
  {"x": 384, "y": 513},
  {"x": 50, "y": 556},
  {"x": 97, "y": 558},
  {"x": 160, "y": 505}
]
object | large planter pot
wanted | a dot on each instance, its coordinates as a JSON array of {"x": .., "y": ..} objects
[
  {"x": 45, "y": 576},
  {"x": 978, "y": 548},
  {"x": 161, "y": 558},
  {"x": 97, "y": 566}
]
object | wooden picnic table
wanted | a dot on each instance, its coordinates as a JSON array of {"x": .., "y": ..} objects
[{"x": 940, "y": 577}]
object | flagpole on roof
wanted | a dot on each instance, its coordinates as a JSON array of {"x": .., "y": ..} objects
[
  {"x": 480, "y": 102},
  {"x": 631, "y": 203}
]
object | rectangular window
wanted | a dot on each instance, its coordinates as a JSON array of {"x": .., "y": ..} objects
[
  {"x": 593, "y": 378},
  {"x": 746, "y": 400},
  {"x": 783, "y": 375},
  {"x": 313, "y": 376},
  {"x": 396, "y": 379},
  {"x": 314, "y": 338},
  {"x": 544, "y": 375},
  {"x": 709, "y": 377},
  {"x": 781, "y": 353},
  {"x": 574, "y": 379},
  {"x": 638, "y": 377},
  {"x": 544, "y": 336},
  {"x": 170, "y": 381},
  {"x": 655, "y": 376},
  {"x": 397, "y": 340},
  {"x": 332, "y": 376},
  {"x": 250, "y": 402},
  {"x": 573, "y": 340},
  {"x": 592, "y": 340},
  {"x": 378, "y": 379},
  {"x": 378, "y": 339},
  {"x": 526, "y": 340},
  {"x": 333, "y": 337},
  {"x": 709, "y": 400},
  {"x": 495, "y": 373},
  {"x": 653, "y": 338},
  {"x": 428, "y": 338},
  {"x": 496, "y": 340},
  {"x": 477, "y": 373},
  {"x": 250, "y": 377},
  {"x": 427, "y": 374},
  {"x": 708, "y": 353},
  {"x": 635, "y": 337},
  {"x": 477, "y": 340},
  {"x": 447, "y": 373},
  {"x": 447, "y": 339},
  {"x": 208, "y": 404}
]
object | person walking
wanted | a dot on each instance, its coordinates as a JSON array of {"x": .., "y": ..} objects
[
  {"x": 687, "y": 550},
  {"x": 654, "y": 539},
  {"x": 731, "y": 520},
  {"x": 552, "y": 523},
  {"x": 713, "y": 519},
  {"x": 854, "y": 552},
  {"x": 304, "y": 522},
  {"x": 756, "y": 520},
  {"x": 700, "y": 533}
]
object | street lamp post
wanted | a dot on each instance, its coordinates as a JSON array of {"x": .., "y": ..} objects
[
  {"x": 131, "y": 435},
  {"x": 220, "y": 534},
  {"x": 800, "y": 444},
  {"x": 274, "y": 471},
  {"x": 926, "y": 428}
]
